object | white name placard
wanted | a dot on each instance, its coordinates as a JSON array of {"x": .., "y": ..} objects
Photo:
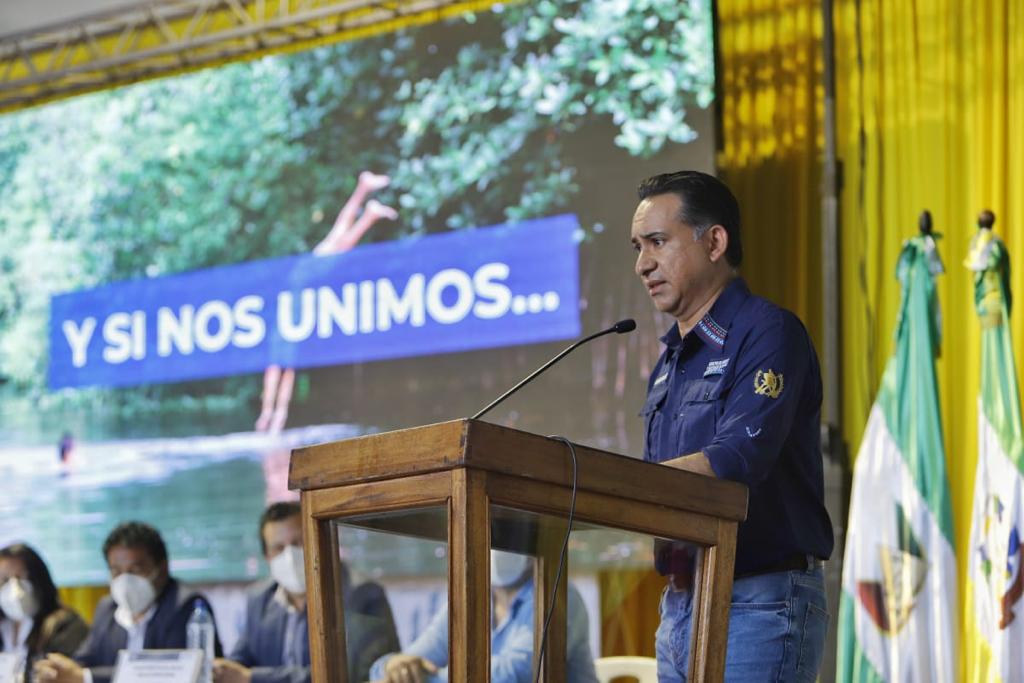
[
  {"x": 158, "y": 666},
  {"x": 10, "y": 667}
]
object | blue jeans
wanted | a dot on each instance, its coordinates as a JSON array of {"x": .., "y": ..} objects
[{"x": 777, "y": 627}]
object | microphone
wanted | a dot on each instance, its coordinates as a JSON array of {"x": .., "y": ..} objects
[{"x": 621, "y": 327}]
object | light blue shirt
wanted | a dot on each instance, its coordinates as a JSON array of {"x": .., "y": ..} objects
[{"x": 511, "y": 643}]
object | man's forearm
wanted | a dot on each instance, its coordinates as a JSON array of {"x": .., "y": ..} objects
[{"x": 694, "y": 462}]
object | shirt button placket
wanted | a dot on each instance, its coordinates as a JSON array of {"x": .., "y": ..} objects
[{"x": 681, "y": 413}]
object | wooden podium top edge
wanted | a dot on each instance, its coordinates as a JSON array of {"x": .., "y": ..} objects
[{"x": 474, "y": 444}]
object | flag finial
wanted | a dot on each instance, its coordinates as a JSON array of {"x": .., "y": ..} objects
[
  {"x": 925, "y": 222},
  {"x": 986, "y": 219}
]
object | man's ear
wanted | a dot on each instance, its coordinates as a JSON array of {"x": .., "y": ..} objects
[{"x": 718, "y": 242}]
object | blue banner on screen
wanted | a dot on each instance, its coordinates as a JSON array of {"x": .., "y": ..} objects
[{"x": 471, "y": 289}]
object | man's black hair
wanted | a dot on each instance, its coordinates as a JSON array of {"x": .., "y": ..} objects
[
  {"x": 137, "y": 535},
  {"x": 706, "y": 201},
  {"x": 276, "y": 513}
]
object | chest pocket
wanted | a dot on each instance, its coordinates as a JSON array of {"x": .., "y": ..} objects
[
  {"x": 698, "y": 412},
  {"x": 652, "y": 413}
]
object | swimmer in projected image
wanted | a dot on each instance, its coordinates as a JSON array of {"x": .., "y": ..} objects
[
  {"x": 65, "y": 451},
  {"x": 348, "y": 229}
]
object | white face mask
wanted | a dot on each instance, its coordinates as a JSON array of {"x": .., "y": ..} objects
[
  {"x": 507, "y": 568},
  {"x": 18, "y": 600},
  {"x": 288, "y": 568},
  {"x": 133, "y": 595}
]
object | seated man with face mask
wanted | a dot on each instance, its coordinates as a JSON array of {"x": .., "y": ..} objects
[
  {"x": 512, "y": 608},
  {"x": 274, "y": 644},
  {"x": 147, "y": 609}
]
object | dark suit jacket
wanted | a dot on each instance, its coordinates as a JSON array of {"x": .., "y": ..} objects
[
  {"x": 369, "y": 632},
  {"x": 165, "y": 631}
]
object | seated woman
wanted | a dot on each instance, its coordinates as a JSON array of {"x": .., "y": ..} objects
[{"x": 33, "y": 623}]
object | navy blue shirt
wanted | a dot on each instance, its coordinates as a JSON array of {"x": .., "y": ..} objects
[{"x": 744, "y": 387}]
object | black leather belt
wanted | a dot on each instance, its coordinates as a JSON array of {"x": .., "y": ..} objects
[
  {"x": 788, "y": 564},
  {"x": 684, "y": 582}
]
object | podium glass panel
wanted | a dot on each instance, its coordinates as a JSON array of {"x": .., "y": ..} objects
[
  {"x": 406, "y": 553},
  {"x": 611, "y": 596}
]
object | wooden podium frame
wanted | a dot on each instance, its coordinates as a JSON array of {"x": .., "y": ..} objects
[{"x": 466, "y": 466}]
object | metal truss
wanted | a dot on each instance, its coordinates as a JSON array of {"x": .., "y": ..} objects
[{"x": 161, "y": 37}]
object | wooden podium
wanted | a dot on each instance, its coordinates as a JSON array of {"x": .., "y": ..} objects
[{"x": 473, "y": 473}]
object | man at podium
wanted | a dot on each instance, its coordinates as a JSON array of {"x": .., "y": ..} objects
[
  {"x": 512, "y": 608},
  {"x": 736, "y": 394}
]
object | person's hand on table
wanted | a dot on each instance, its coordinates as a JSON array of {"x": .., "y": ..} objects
[
  {"x": 57, "y": 668},
  {"x": 230, "y": 671},
  {"x": 407, "y": 669}
]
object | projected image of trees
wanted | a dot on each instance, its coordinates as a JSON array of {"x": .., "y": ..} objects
[
  {"x": 252, "y": 160},
  {"x": 527, "y": 111}
]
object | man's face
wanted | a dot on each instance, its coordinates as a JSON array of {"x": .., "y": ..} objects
[
  {"x": 675, "y": 268},
  {"x": 123, "y": 559},
  {"x": 280, "y": 534}
]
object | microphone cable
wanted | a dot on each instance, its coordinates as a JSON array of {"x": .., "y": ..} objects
[{"x": 561, "y": 561}]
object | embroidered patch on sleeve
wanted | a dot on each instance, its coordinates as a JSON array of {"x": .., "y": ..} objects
[{"x": 768, "y": 383}]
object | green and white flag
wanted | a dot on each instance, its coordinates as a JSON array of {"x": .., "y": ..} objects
[
  {"x": 995, "y": 612},
  {"x": 897, "y": 612}
]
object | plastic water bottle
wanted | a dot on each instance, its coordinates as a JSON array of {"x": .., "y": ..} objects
[{"x": 199, "y": 635}]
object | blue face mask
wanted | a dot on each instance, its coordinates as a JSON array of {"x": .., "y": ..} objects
[{"x": 507, "y": 569}]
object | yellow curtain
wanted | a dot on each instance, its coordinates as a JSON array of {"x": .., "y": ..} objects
[
  {"x": 771, "y": 108},
  {"x": 629, "y": 611},
  {"x": 930, "y": 116},
  {"x": 83, "y": 599}
]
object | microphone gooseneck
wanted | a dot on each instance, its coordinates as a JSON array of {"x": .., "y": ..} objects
[{"x": 621, "y": 327}]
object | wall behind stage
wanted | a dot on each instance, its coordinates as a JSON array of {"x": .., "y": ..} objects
[{"x": 162, "y": 245}]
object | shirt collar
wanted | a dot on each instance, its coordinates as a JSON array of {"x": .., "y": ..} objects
[
  {"x": 7, "y": 631},
  {"x": 281, "y": 598},
  {"x": 136, "y": 629},
  {"x": 147, "y": 617},
  {"x": 521, "y": 597},
  {"x": 713, "y": 328}
]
